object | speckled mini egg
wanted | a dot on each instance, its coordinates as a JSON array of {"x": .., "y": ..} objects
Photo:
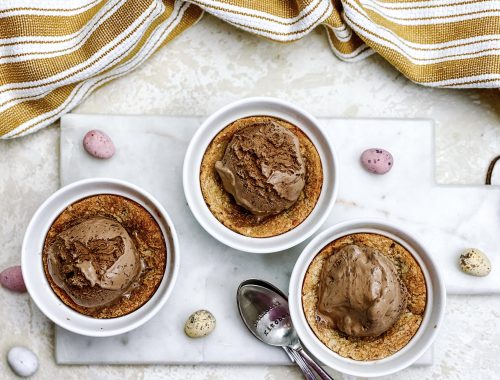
[
  {"x": 22, "y": 361},
  {"x": 12, "y": 279},
  {"x": 377, "y": 161},
  {"x": 199, "y": 324},
  {"x": 98, "y": 144},
  {"x": 475, "y": 262}
]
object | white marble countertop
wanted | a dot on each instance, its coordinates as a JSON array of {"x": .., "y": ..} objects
[{"x": 205, "y": 68}]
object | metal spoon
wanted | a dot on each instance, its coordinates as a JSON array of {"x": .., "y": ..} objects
[
  {"x": 264, "y": 310},
  {"x": 297, "y": 359}
]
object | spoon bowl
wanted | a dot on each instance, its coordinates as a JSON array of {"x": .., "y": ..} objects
[{"x": 264, "y": 310}]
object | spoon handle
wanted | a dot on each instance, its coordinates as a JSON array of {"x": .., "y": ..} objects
[
  {"x": 306, "y": 371},
  {"x": 323, "y": 375}
]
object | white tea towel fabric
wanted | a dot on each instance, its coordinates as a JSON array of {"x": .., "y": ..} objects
[{"x": 54, "y": 53}]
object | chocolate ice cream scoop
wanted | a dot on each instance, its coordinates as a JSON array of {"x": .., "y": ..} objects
[
  {"x": 360, "y": 292},
  {"x": 263, "y": 168},
  {"x": 95, "y": 262}
]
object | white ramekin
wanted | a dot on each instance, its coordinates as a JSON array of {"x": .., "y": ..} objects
[
  {"x": 434, "y": 311},
  {"x": 259, "y": 106},
  {"x": 32, "y": 266}
]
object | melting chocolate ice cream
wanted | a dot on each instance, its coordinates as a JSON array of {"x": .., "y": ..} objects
[
  {"x": 95, "y": 262},
  {"x": 360, "y": 292},
  {"x": 263, "y": 168}
]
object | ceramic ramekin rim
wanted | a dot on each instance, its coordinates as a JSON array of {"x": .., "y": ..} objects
[
  {"x": 253, "y": 107},
  {"x": 433, "y": 316},
  {"x": 39, "y": 288}
]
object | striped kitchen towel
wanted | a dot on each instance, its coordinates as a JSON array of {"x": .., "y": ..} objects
[{"x": 54, "y": 53}]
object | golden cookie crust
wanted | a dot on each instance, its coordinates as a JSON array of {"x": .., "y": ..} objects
[
  {"x": 144, "y": 231},
  {"x": 401, "y": 332},
  {"x": 236, "y": 218}
]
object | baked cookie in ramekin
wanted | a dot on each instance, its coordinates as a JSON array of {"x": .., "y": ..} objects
[
  {"x": 219, "y": 212},
  {"x": 228, "y": 212},
  {"x": 415, "y": 328},
  {"x": 124, "y": 209},
  {"x": 392, "y": 340},
  {"x": 126, "y": 221}
]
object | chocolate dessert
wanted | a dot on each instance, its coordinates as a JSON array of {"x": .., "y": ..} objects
[
  {"x": 263, "y": 168},
  {"x": 359, "y": 292},
  {"x": 95, "y": 262},
  {"x": 364, "y": 296},
  {"x": 261, "y": 176},
  {"x": 104, "y": 256}
]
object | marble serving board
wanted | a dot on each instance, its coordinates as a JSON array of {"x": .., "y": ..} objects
[{"x": 150, "y": 153}]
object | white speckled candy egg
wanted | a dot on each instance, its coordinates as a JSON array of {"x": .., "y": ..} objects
[
  {"x": 377, "y": 161},
  {"x": 12, "y": 279},
  {"x": 22, "y": 361},
  {"x": 475, "y": 262},
  {"x": 98, "y": 144},
  {"x": 199, "y": 324}
]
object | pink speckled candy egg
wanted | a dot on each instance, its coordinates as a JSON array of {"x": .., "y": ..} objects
[
  {"x": 377, "y": 161},
  {"x": 12, "y": 279},
  {"x": 98, "y": 144}
]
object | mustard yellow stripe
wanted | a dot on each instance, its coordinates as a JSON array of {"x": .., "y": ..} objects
[
  {"x": 295, "y": 32},
  {"x": 28, "y": 110},
  {"x": 40, "y": 25},
  {"x": 279, "y": 8},
  {"x": 345, "y": 47},
  {"x": 190, "y": 16},
  {"x": 434, "y": 72},
  {"x": 47, "y": 9},
  {"x": 439, "y": 33},
  {"x": 334, "y": 20},
  {"x": 259, "y": 17},
  {"x": 33, "y": 70},
  {"x": 51, "y": 52}
]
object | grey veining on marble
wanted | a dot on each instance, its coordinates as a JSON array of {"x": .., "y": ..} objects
[{"x": 207, "y": 67}]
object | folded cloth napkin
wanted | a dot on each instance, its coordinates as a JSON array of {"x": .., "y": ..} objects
[{"x": 54, "y": 53}]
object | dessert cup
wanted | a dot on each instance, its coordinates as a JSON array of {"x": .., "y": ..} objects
[
  {"x": 432, "y": 318},
  {"x": 109, "y": 241},
  {"x": 223, "y": 203},
  {"x": 269, "y": 107},
  {"x": 35, "y": 278}
]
